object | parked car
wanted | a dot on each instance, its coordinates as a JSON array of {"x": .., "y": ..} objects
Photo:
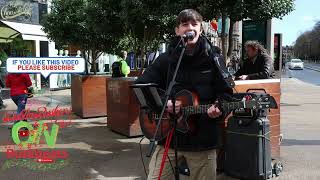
[{"x": 296, "y": 64}]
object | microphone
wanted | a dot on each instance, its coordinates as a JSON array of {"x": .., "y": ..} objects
[{"x": 188, "y": 35}]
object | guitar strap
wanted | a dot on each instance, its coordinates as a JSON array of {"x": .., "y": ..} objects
[{"x": 217, "y": 60}]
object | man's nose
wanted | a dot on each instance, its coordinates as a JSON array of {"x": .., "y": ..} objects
[{"x": 190, "y": 26}]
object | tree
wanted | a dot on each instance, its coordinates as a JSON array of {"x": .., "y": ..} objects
[
  {"x": 301, "y": 47},
  {"x": 77, "y": 22},
  {"x": 146, "y": 25},
  {"x": 150, "y": 26},
  {"x": 114, "y": 25},
  {"x": 308, "y": 44},
  {"x": 237, "y": 10},
  {"x": 3, "y": 58}
]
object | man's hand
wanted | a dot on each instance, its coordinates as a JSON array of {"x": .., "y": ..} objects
[
  {"x": 244, "y": 77},
  {"x": 177, "y": 106},
  {"x": 214, "y": 112}
]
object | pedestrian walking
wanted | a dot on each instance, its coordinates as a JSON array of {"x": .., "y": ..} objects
[{"x": 18, "y": 84}]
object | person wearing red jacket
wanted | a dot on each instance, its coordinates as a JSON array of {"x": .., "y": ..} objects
[{"x": 18, "y": 84}]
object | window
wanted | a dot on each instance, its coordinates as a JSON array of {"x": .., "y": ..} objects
[{"x": 296, "y": 60}]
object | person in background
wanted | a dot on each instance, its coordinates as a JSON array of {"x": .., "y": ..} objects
[
  {"x": 125, "y": 56},
  {"x": 18, "y": 84},
  {"x": 283, "y": 67},
  {"x": 1, "y": 101},
  {"x": 258, "y": 65},
  {"x": 124, "y": 68}
]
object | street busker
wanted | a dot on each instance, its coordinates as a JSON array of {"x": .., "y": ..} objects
[{"x": 197, "y": 73}]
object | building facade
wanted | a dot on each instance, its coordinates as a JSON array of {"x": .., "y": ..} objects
[{"x": 21, "y": 34}]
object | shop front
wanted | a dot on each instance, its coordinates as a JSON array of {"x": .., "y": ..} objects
[{"x": 21, "y": 34}]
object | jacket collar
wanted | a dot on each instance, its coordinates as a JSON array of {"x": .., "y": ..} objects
[{"x": 201, "y": 48}]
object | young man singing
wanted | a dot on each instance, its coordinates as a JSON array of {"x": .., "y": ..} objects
[{"x": 197, "y": 73}]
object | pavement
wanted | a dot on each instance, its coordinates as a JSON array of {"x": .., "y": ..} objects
[
  {"x": 300, "y": 104},
  {"x": 95, "y": 152}
]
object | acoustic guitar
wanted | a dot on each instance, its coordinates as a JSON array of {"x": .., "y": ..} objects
[{"x": 191, "y": 107}]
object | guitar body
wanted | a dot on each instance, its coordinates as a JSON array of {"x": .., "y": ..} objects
[{"x": 149, "y": 120}]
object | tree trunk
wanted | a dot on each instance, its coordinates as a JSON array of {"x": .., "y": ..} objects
[
  {"x": 86, "y": 61},
  {"x": 230, "y": 45},
  {"x": 143, "y": 51},
  {"x": 223, "y": 37},
  {"x": 97, "y": 54},
  {"x": 94, "y": 68},
  {"x": 154, "y": 57}
]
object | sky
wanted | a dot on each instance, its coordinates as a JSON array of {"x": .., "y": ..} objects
[{"x": 303, "y": 18}]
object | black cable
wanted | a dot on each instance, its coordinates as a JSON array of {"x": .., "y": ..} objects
[
  {"x": 211, "y": 45},
  {"x": 171, "y": 165},
  {"x": 144, "y": 167}
]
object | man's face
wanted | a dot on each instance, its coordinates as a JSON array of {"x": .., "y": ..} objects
[
  {"x": 251, "y": 52},
  {"x": 194, "y": 26},
  {"x": 125, "y": 54}
]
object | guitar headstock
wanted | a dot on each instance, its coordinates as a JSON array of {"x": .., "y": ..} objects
[{"x": 261, "y": 102}]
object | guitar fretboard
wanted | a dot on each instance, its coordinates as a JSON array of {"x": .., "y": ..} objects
[{"x": 229, "y": 106}]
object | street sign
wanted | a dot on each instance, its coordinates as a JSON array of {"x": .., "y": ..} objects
[{"x": 255, "y": 31}]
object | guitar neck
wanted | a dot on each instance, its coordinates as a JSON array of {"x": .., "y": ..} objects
[{"x": 226, "y": 107}]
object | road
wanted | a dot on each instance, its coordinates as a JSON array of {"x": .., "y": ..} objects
[{"x": 305, "y": 75}]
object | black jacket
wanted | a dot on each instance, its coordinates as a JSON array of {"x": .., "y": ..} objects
[
  {"x": 199, "y": 74},
  {"x": 262, "y": 68}
]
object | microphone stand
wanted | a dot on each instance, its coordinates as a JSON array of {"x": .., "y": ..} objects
[{"x": 170, "y": 94}]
